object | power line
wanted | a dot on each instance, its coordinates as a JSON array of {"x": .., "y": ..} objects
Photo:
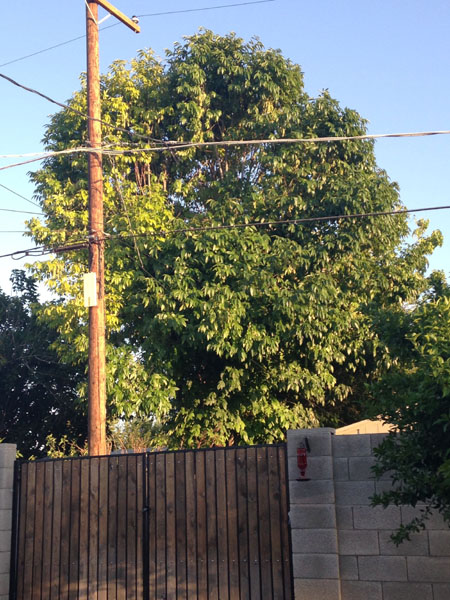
[
  {"x": 25, "y": 212},
  {"x": 170, "y": 12},
  {"x": 43, "y": 250},
  {"x": 172, "y": 146},
  {"x": 19, "y": 195}
]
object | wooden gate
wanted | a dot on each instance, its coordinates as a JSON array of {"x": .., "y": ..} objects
[{"x": 201, "y": 524}]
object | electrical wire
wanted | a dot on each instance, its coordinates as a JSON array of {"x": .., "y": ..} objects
[
  {"x": 170, "y": 12},
  {"x": 43, "y": 250},
  {"x": 25, "y": 212},
  {"x": 172, "y": 146},
  {"x": 19, "y": 195}
]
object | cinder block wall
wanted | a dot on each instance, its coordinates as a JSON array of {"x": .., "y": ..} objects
[
  {"x": 341, "y": 545},
  {"x": 7, "y": 458}
]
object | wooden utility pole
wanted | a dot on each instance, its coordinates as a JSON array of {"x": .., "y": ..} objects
[{"x": 97, "y": 353}]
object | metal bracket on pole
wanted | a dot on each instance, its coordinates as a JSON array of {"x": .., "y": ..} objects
[{"x": 119, "y": 15}]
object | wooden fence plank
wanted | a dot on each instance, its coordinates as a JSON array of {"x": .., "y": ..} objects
[
  {"x": 202, "y": 533},
  {"x": 74, "y": 541},
  {"x": 38, "y": 530},
  {"x": 83, "y": 557},
  {"x": 47, "y": 529},
  {"x": 29, "y": 532},
  {"x": 64, "y": 567},
  {"x": 171, "y": 559},
  {"x": 275, "y": 523},
  {"x": 242, "y": 507},
  {"x": 180, "y": 525},
  {"x": 285, "y": 536},
  {"x": 232, "y": 524},
  {"x": 122, "y": 514},
  {"x": 131, "y": 517},
  {"x": 253, "y": 525},
  {"x": 211, "y": 524},
  {"x": 94, "y": 522},
  {"x": 264, "y": 518},
  {"x": 160, "y": 526},
  {"x": 222, "y": 530},
  {"x": 102, "y": 548},
  {"x": 112, "y": 526},
  {"x": 191, "y": 526},
  {"x": 140, "y": 487},
  {"x": 56, "y": 533}
]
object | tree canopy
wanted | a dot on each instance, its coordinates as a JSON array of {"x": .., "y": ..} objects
[
  {"x": 38, "y": 391},
  {"x": 414, "y": 397},
  {"x": 222, "y": 328}
]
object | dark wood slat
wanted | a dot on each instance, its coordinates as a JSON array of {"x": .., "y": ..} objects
[
  {"x": 38, "y": 530},
  {"x": 180, "y": 524},
  {"x": 131, "y": 527},
  {"x": 29, "y": 532},
  {"x": 74, "y": 544},
  {"x": 47, "y": 529},
  {"x": 56, "y": 533},
  {"x": 160, "y": 526},
  {"x": 22, "y": 527},
  {"x": 102, "y": 548},
  {"x": 202, "y": 525},
  {"x": 64, "y": 567},
  {"x": 171, "y": 548},
  {"x": 222, "y": 530},
  {"x": 211, "y": 524},
  {"x": 122, "y": 514},
  {"x": 285, "y": 534},
  {"x": 113, "y": 472},
  {"x": 253, "y": 525},
  {"x": 232, "y": 524},
  {"x": 94, "y": 520},
  {"x": 140, "y": 474},
  {"x": 83, "y": 559},
  {"x": 242, "y": 505},
  {"x": 275, "y": 523},
  {"x": 264, "y": 519},
  {"x": 191, "y": 526}
]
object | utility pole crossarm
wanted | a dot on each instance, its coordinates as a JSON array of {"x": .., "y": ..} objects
[{"x": 119, "y": 15}]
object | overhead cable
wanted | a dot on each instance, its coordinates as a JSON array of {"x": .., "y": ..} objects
[
  {"x": 42, "y": 250},
  {"x": 170, "y": 12},
  {"x": 19, "y": 195},
  {"x": 25, "y": 212}
]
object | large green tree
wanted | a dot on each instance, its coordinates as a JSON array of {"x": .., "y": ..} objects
[
  {"x": 229, "y": 334},
  {"x": 38, "y": 392},
  {"x": 414, "y": 398}
]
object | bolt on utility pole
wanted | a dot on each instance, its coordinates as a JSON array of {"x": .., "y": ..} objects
[{"x": 97, "y": 349}]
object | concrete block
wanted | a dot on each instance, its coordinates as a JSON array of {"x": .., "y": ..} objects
[
  {"x": 5, "y": 541},
  {"x": 315, "y": 566},
  {"x": 340, "y": 469},
  {"x": 361, "y": 590},
  {"x": 349, "y": 493},
  {"x": 5, "y": 519},
  {"x": 358, "y": 542},
  {"x": 312, "y": 516},
  {"x": 360, "y": 468},
  {"x": 406, "y": 591},
  {"x": 376, "y": 439},
  {"x": 439, "y": 543},
  {"x": 305, "y": 541},
  {"x": 441, "y": 591},
  {"x": 311, "y": 492},
  {"x": 348, "y": 568},
  {"x": 6, "y": 477},
  {"x": 435, "y": 521},
  {"x": 417, "y": 546},
  {"x": 382, "y": 568},
  {"x": 317, "y": 589},
  {"x": 6, "y": 497},
  {"x": 319, "y": 441},
  {"x": 429, "y": 568},
  {"x": 351, "y": 445},
  {"x": 4, "y": 583},
  {"x": 376, "y": 517},
  {"x": 5, "y": 562},
  {"x": 7, "y": 455},
  {"x": 319, "y": 467},
  {"x": 344, "y": 517}
]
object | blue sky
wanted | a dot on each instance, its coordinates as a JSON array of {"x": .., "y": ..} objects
[{"x": 389, "y": 60}]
